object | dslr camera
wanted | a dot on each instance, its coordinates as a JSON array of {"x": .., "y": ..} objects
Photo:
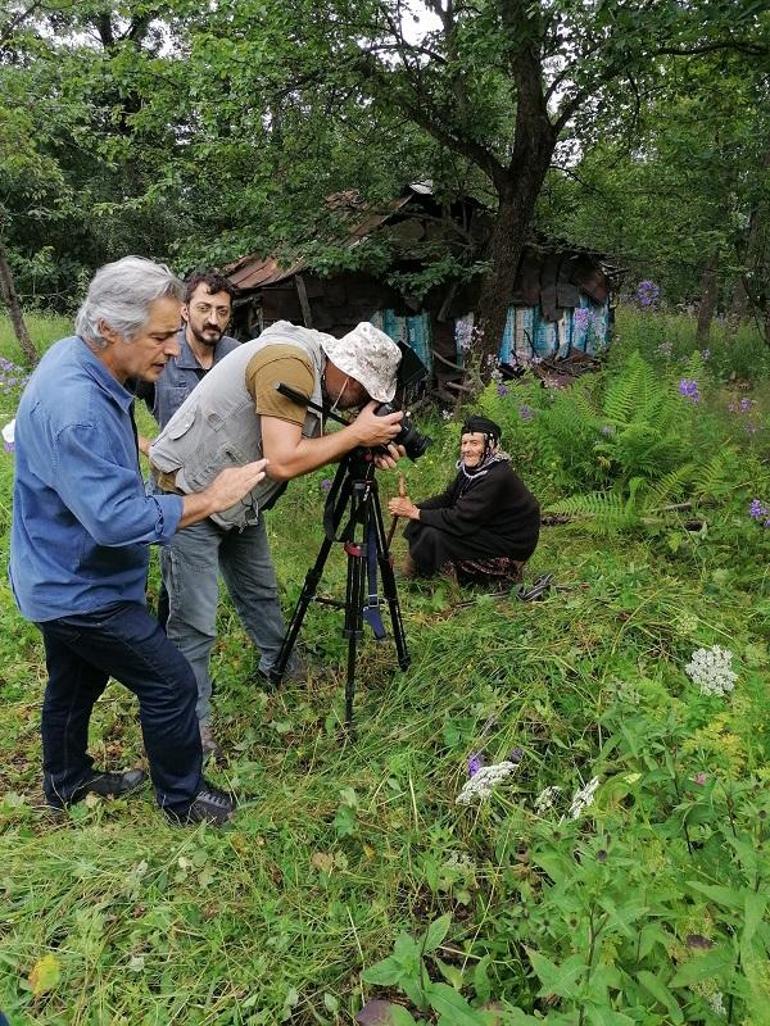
[
  {"x": 412, "y": 440},
  {"x": 411, "y": 372}
]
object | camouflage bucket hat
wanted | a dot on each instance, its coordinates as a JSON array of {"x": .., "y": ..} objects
[{"x": 368, "y": 355}]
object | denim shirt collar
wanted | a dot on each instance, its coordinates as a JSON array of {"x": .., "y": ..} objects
[
  {"x": 103, "y": 377},
  {"x": 187, "y": 360}
]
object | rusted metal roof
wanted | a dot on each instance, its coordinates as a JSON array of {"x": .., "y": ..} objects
[
  {"x": 551, "y": 271},
  {"x": 253, "y": 272}
]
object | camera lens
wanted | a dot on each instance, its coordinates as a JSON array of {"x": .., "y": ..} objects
[{"x": 413, "y": 442}]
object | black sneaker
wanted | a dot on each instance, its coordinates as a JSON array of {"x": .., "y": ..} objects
[
  {"x": 109, "y": 785},
  {"x": 210, "y": 805}
]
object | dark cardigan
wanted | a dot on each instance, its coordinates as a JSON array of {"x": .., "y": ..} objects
[{"x": 478, "y": 517}]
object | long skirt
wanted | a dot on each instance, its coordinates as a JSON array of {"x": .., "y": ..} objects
[{"x": 431, "y": 549}]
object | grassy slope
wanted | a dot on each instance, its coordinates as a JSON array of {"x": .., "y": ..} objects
[{"x": 347, "y": 842}]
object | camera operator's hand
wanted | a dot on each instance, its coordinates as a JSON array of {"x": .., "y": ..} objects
[
  {"x": 373, "y": 430},
  {"x": 387, "y": 461},
  {"x": 403, "y": 507}
]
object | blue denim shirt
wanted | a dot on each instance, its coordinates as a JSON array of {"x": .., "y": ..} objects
[
  {"x": 180, "y": 376},
  {"x": 81, "y": 519}
]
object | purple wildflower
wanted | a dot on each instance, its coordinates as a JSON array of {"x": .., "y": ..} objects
[
  {"x": 758, "y": 510},
  {"x": 745, "y": 405},
  {"x": 475, "y": 762},
  {"x": 647, "y": 294},
  {"x": 516, "y": 755},
  {"x": 11, "y": 376},
  {"x": 700, "y": 778},
  {"x": 526, "y": 412},
  {"x": 326, "y": 484},
  {"x": 688, "y": 388},
  {"x": 502, "y": 391}
]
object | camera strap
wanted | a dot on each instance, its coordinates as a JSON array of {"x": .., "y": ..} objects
[{"x": 371, "y": 610}]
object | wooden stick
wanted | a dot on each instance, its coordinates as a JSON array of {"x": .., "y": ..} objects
[{"x": 402, "y": 493}]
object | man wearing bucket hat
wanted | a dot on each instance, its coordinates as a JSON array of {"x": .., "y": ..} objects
[{"x": 237, "y": 411}]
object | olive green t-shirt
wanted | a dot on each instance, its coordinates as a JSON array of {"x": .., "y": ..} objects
[{"x": 279, "y": 364}]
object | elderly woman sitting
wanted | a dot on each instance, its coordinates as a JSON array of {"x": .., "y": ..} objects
[{"x": 486, "y": 524}]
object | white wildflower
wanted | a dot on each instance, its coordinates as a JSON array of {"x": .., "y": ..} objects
[
  {"x": 482, "y": 783},
  {"x": 717, "y": 1003},
  {"x": 583, "y": 797},
  {"x": 546, "y": 799},
  {"x": 710, "y": 669},
  {"x": 458, "y": 860},
  {"x": 447, "y": 414}
]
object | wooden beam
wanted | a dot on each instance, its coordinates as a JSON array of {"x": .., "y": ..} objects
[{"x": 304, "y": 302}]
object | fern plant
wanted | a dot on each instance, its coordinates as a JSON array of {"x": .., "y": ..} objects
[{"x": 645, "y": 452}]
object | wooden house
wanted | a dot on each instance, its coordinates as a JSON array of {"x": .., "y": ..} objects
[{"x": 560, "y": 299}]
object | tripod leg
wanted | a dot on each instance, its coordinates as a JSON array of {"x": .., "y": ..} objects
[
  {"x": 389, "y": 588},
  {"x": 342, "y": 488},
  {"x": 354, "y": 621},
  {"x": 309, "y": 588}
]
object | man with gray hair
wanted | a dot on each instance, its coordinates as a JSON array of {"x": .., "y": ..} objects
[
  {"x": 82, "y": 524},
  {"x": 236, "y": 414}
]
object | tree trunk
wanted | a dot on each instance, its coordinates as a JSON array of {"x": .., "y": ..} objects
[
  {"x": 519, "y": 184},
  {"x": 11, "y": 300},
  {"x": 755, "y": 258},
  {"x": 509, "y": 236},
  {"x": 506, "y": 246},
  {"x": 739, "y": 305},
  {"x": 708, "y": 300}
]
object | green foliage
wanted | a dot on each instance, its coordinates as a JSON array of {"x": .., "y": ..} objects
[
  {"x": 684, "y": 190},
  {"x": 350, "y": 876},
  {"x": 625, "y": 449},
  {"x": 736, "y": 351},
  {"x": 407, "y": 969}
]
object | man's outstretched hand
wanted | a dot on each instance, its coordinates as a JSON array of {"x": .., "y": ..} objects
[{"x": 227, "y": 488}]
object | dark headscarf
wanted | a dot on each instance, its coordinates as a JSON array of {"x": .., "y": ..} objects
[
  {"x": 491, "y": 454},
  {"x": 483, "y": 426}
]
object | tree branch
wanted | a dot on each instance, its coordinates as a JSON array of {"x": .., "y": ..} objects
[
  {"x": 419, "y": 111},
  {"x": 14, "y": 23},
  {"x": 740, "y": 46}
]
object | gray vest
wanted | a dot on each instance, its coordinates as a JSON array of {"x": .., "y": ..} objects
[{"x": 217, "y": 426}]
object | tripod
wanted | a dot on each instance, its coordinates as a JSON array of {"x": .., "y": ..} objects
[{"x": 353, "y": 492}]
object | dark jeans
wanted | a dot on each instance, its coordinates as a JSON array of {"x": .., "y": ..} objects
[{"x": 121, "y": 641}]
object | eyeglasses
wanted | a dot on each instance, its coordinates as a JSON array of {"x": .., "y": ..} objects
[{"x": 222, "y": 313}]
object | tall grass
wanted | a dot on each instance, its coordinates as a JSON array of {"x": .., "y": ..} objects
[
  {"x": 734, "y": 350},
  {"x": 648, "y": 908},
  {"x": 44, "y": 329}
]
